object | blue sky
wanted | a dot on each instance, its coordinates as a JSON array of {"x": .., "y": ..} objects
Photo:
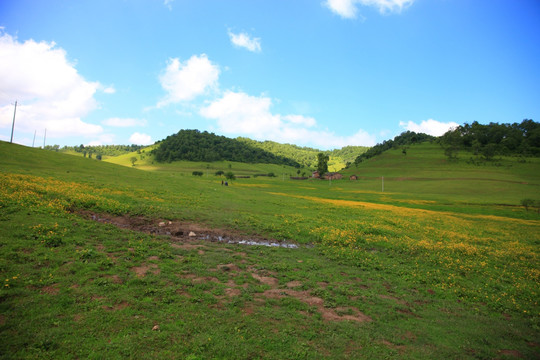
[{"x": 319, "y": 73}]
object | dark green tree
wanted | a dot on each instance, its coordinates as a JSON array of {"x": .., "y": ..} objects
[{"x": 322, "y": 164}]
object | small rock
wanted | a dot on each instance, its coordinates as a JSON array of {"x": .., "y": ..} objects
[
  {"x": 192, "y": 234},
  {"x": 155, "y": 328},
  {"x": 162, "y": 223}
]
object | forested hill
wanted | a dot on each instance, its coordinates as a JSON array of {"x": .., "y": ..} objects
[
  {"x": 494, "y": 139},
  {"x": 193, "y": 145},
  {"x": 487, "y": 141},
  {"x": 307, "y": 156}
]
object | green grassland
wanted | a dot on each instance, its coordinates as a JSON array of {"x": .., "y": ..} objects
[{"x": 443, "y": 264}]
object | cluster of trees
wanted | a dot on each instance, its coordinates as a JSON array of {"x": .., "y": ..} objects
[
  {"x": 98, "y": 151},
  {"x": 404, "y": 139},
  {"x": 493, "y": 139},
  {"x": 193, "y": 145}
]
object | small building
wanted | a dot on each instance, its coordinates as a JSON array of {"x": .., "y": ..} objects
[
  {"x": 353, "y": 177},
  {"x": 333, "y": 176},
  {"x": 315, "y": 175}
]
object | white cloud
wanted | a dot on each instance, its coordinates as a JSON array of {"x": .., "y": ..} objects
[
  {"x": 245, "y": 41},
  {"x": 109, "y": 90},
  {"x": 124, "y": 122},
  {"x": 103, "y": 139},
  {"x": 168, "y": 4},
  {"x": 184, "y": 81},
  {"x": 140, "y": 139},
  {"x": 50, "y": 93},
  {"x": 241, "y": 114},
  {"x": 344, "y": 8},
  {"x": 430, "y": 127},
  {"x": 348, "y": 8}
]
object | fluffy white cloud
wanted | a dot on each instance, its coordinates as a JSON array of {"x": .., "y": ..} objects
[
  {"x": 140, "y": 139},
  {"x": 184, "y": 81},
  {"x": 245, "y": 41},
  {"x": 348, "y": 8},
  {"x": 124, "y": 122},
  {"x": 50, "y": 93},
  {"x": 241, "y": 114},
  {"x": 430, "y": 127}
]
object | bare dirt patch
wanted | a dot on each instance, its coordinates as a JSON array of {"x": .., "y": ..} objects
[
  {"x": 400, "y": 348},
  {"x": 53, "y": 289},
  {"x": 328, "y": 314},
  {"x": 187, "y": 246},
  {"x": 142, "y": 270},
  {"x": 294, "y": 284},
  {"x": 266, "y": 279},
  {"x": 231, "y": 292},
  {"x": 513, "y": 353}
]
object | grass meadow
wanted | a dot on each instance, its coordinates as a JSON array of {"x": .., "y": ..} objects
[{"x": 444, "y": 263}]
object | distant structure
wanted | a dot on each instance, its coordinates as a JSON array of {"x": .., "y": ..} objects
[
  {"x": 315, "y": 175},
  {"x": 353, "y": 177},
  {"x": 333, "y": 176}
]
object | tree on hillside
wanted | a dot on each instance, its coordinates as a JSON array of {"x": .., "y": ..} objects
[
  {"x": 133, "y": 160},
  {"x": 322, "y": 164}
]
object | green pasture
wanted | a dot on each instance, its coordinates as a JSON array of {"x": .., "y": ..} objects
[{"x": 442, "y": 264}]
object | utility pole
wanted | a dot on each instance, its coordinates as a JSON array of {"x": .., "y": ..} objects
[
  {"x": 33, "y": 141},
  {"x": 44, "y": 138},
  {"x": 13, "y": 125}
]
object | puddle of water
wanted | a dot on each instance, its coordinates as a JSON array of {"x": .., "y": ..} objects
[{"x": 252, "y": 242}]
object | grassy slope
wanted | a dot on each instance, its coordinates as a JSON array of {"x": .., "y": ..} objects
[
  {"x": 439, "y": 273},
  {"x": 425, "y": 172}
]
